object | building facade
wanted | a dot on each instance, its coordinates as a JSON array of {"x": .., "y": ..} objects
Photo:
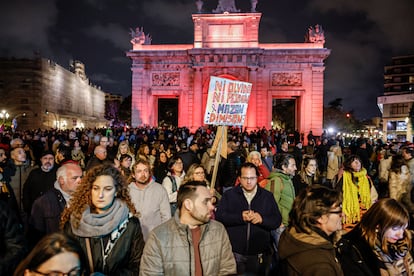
[
  {"x": 49, "y": 95},
  {"x": 170, "y": 82},
  {"x": 397, "y": 102}
]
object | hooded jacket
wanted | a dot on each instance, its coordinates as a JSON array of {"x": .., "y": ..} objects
[
  {"x": 307, "y": 254},
  {"x": 152, "y": 205},
  {"x": 281, "y": 186}
]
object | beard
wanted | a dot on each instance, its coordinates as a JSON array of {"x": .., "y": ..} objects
[
  {"x": 203, "y": 219},
  {"x": 47, "y": 167},
  {"x": 143, "y": 181}
]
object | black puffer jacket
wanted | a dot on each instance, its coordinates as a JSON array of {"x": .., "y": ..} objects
[{"x": 12, "y": 245}]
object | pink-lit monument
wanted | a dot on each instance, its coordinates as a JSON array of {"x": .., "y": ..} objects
[{"x": 169, "y": 79}]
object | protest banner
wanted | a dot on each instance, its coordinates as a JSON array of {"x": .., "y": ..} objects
[{"x": 227, "y": 104}]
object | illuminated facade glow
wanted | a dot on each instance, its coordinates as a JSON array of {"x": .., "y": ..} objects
[
  {"x": 32, "y": 86},
  {"x": 228, "y": 45}
]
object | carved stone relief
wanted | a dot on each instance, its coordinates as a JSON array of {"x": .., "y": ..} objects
[
  {"x": 165, "y": 79},
  {"x": 286, "y": 79}
]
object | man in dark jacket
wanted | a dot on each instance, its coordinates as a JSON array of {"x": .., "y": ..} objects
[
  {"x": 266, "y": 158},
  {"x": 99, "y": 157},
  {"x": 39, "y": 181},
  {"x": 45, "y": 216},
  {"x": 249, "y": 213},
  {"x": 229, "y": 167},
  {"x": 322, "y": 157},
  {"x": 190, "y": 156},
  {"x": 362, "y": 152}
]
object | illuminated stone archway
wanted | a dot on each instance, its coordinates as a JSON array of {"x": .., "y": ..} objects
[{"x": 276, "y": 70}]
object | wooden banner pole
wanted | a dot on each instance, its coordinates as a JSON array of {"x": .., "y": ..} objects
[{"x": 221, "y": 132}]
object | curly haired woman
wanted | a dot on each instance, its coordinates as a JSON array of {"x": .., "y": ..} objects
[{"x": 103, "y": 219}]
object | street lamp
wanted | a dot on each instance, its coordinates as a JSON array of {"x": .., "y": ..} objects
[{"x": 4, "y": 115}]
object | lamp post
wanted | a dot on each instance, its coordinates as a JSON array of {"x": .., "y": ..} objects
[
  {"x": 4, "y": 115},
  {"x": 54, "y": 114}
]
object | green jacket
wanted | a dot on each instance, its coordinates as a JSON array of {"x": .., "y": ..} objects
[{"x": 281, "y": 186}]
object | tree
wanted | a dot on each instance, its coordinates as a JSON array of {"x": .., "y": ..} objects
[
  {"x": 335, "y": 116},
  {"x": 124, "y": 113},
  {"x": 111, "y": 110},
  {"x": 336, "y": 104}
]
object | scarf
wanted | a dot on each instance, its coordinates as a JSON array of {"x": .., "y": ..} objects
[
  {"x": 97, "y": 225},
  {"x": 353, "y": 193},
  {"x": 398, "y": 261}
]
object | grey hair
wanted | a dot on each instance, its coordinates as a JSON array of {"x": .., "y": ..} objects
[
  {"x": 62, "y": 171},
  {"x": 252, "y": 154},
  {"x": 16, "y": 141}
]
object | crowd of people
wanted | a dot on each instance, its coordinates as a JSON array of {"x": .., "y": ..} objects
[{"x": 149, "y": 201}]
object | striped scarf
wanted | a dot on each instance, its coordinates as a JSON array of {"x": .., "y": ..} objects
[
  {"x": 398, "y": 261},
  {"x": 354, "y": 194}
]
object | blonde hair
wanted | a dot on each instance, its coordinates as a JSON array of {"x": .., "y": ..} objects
[
  {"x": 189, "y": 176},
  {"x": 123, "y": 144}
]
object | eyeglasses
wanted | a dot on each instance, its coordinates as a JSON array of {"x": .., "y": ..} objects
[
  {"x": 76, "y": 271},
  {"x": 248, "y": 178}
]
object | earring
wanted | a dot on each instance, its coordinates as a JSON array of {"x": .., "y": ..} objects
[{"x": 376, "y": 230}]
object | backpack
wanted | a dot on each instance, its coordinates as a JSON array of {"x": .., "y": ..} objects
[{"x": 173, "y": 205}]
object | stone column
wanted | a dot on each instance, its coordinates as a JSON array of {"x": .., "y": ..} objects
[
  {"x": 198, "y": 98},
  {"x": 317, "y": 100},
  {"x": 253, "y": 109},
  {"x": 136, "y": 101}
]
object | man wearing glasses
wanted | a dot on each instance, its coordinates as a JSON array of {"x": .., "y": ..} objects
[{"x": 249, "y": 213}]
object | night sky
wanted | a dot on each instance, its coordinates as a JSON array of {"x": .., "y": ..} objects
[{"x": 362, "y": 34}]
